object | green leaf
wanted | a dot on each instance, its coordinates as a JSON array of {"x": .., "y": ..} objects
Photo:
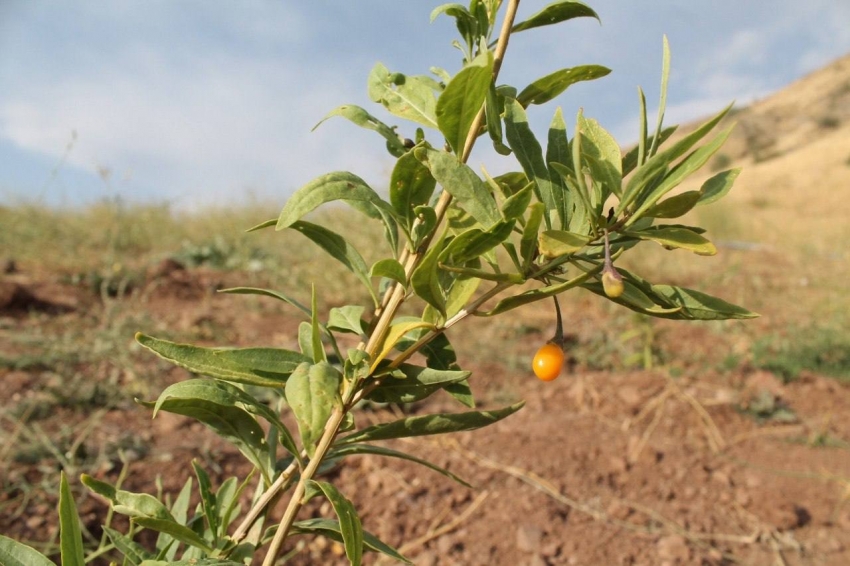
[
  {"x": 339, "y": 249},
  {"x": 426, "y": 223},
  {"x": 602, "y": 154},
  {"x": 556, "y": 243},
  {"x": 699, "y": 306},
  {"x": 631, "y": 158},
  {"x": 363, "y": 119},
  {"x": 456, "y": 11},
  {"x": 222, "y": 363},
  {"x": 267, "y": 293},
  {"x": 493, "y": 107},
  {"x": 339, "y": 185},
  {"x": 659, "y": 162},
  {"x": 555, "y": 13},
  {"x": 547, "y": 88},
  {"x": 14, "y": 553},
  {"x": 411, "y": 98},
  {"x": 558, "y": 151},
  {"x": 208, "y": 501},
  {"x": 271, "y": 360},
  {"x": 528, "y": 242},
  {"x": 474, "y": 242},
  {"x": 463, "y": 98},
  {"x": 331, "y": 529},
  {"x": 316, "y": 347},
  {"x": 349, "y": 523},
  {"x": 530, "y": 155},
  {"x": 459, "y": 290},
  {"x": 418, "y": 384},
  {"x": 175, "y": 530},
  {"x": 146, "y": 511},
  {"x": 232, "y": 423},
  {"x": 312, "y": 392},
  {"x": 425, "y": 279},
  {"x": 70, "y": 536},
  {"x": 462, "y": 183},
  {"x": 132, "y": 551},
  {"x": 431, "y": 424},
  {"x": 357, "y": 449},
  {"x": 347, "y": 319},
  {"x": 679, "y": 173},
  {"x": 717, "y": 187},
  {"x": 390, "y": 269},
  {"x": 674, "y": 206},
  {"x": 411, "y": 185},
  {"x": 516, "y": 205},
  {"x": 665, "y": 75},
  {"x": 676, "y": 237}
]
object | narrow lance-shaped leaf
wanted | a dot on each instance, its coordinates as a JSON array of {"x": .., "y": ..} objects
[
  {"x": 463, "y": 98},
  {"x": 679, "y": 173},
  {"x": 417, "y": 384},
  {"x": 717, "y": 187},
  {"x": 431, "y": 424},
  {"x": 226, "y": 395},
  {"x": 475, "y": 242},
  {"x": 14, "y": 553},
  {"x": 555, "y": 13},
  {"x": 208, "y": 501},
  {"x": 546, "y": 88},
  {"x": 338, "y": 248},
  {"x": 232, "y": 423},
  {"x": 700, "y": 306},
  {"x": 657, "y": 163},
  {"x": 602, "y": 153},
  {"x": 331, "y": 529},
  {"x": 493, "y": 105},
  {"x": 316, "y": 346},
  {"x": 355, "y": 449},
  {"x": 132, "y": 551},
  {"x": 411, "y": 185},
  {"x": 411, "y": 98},
  {"x": 425, "y": 280},
  {"x": 675, "y": 206},
  {"x": 227, "y": 364},
  {"x": 462, "y": 183},
  {"x": 558, "y": 151},
  {"x": 557, "y": 243},
  {"x": 70, "y": 536},
  {"x": 676, "y": 237},
  {"x": 339, "y": 185},
  {"x": 395, "y": 334},
  {"x": 362, "y": 118},
  {"x": 349, "y": 523},
  {"x": 665, "y": 75},
  {"x": 530, "y": 155},
  {"x": 312, "y": 392}
]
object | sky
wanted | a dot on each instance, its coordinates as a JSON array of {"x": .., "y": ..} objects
[{"x": 211, "y": 102}]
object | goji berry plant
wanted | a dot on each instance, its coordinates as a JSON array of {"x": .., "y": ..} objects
[{"x": 458, "y": 244}]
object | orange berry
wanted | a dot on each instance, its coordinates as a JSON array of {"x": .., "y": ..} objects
[{"x": 548, "y": 362}]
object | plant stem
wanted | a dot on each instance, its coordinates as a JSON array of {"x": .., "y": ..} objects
[{"x": 385, "y": 317}]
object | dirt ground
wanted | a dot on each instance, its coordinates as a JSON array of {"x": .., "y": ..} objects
[{"x": 637, "y": 467}]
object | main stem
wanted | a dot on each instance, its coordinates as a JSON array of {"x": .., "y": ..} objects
[{"x": 387, "y": 313}]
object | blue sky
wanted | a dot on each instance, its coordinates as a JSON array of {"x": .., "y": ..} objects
[{"x": 211, "y": 102}]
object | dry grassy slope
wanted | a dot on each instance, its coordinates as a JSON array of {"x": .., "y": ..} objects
[{"x": 794, "y": 147}]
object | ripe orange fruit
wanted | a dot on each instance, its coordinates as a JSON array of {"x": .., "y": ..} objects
[{"x": 548, "y": 362}]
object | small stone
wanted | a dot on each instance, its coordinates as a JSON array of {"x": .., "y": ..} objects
[
  {"x": 528, "y": 538},
  {"x": 34, "y": 522},
  {"x": 673, "y": 549},
  {"x": 426, "y": 558}
]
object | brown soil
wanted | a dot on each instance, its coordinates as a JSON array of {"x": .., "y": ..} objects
[{"x": 600, "y": 467}]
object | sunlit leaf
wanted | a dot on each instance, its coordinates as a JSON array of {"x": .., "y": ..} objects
[
  {"x": 411, "y": 185},
  {"x": 463, "y": 98},
  {"x": 555, "y": 243},
  {"x": 70, "y": 535},
  {"x": 408, "y": 97},
  {"x": 338, "y": 248},
  {"x": 349, "y": 523},
  {"x": 431, "y": 424},
  {"x": 347, "y": 319},
  {"x": 539, "y": 294},
  {"x": 357, "y": 449},
  {"x": 602, "y": 153},
  {"x": 462, "y": 183},
  {"x": 14, "y": 553},
  {"x": 676, "y": 237},
  {"x": 363, "y": 119},
  {"x": 397, "y": 330},
  {"x": 699, "y": 306},
  {"x": 546, "y": 88},
  {"x": 674, "y": 206},
  {"x": 555, "y": 13},
  {"x": 717, "y": 187},
  {"x": 418, "y": 384},
  {"x": 312, "y": 392}
]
